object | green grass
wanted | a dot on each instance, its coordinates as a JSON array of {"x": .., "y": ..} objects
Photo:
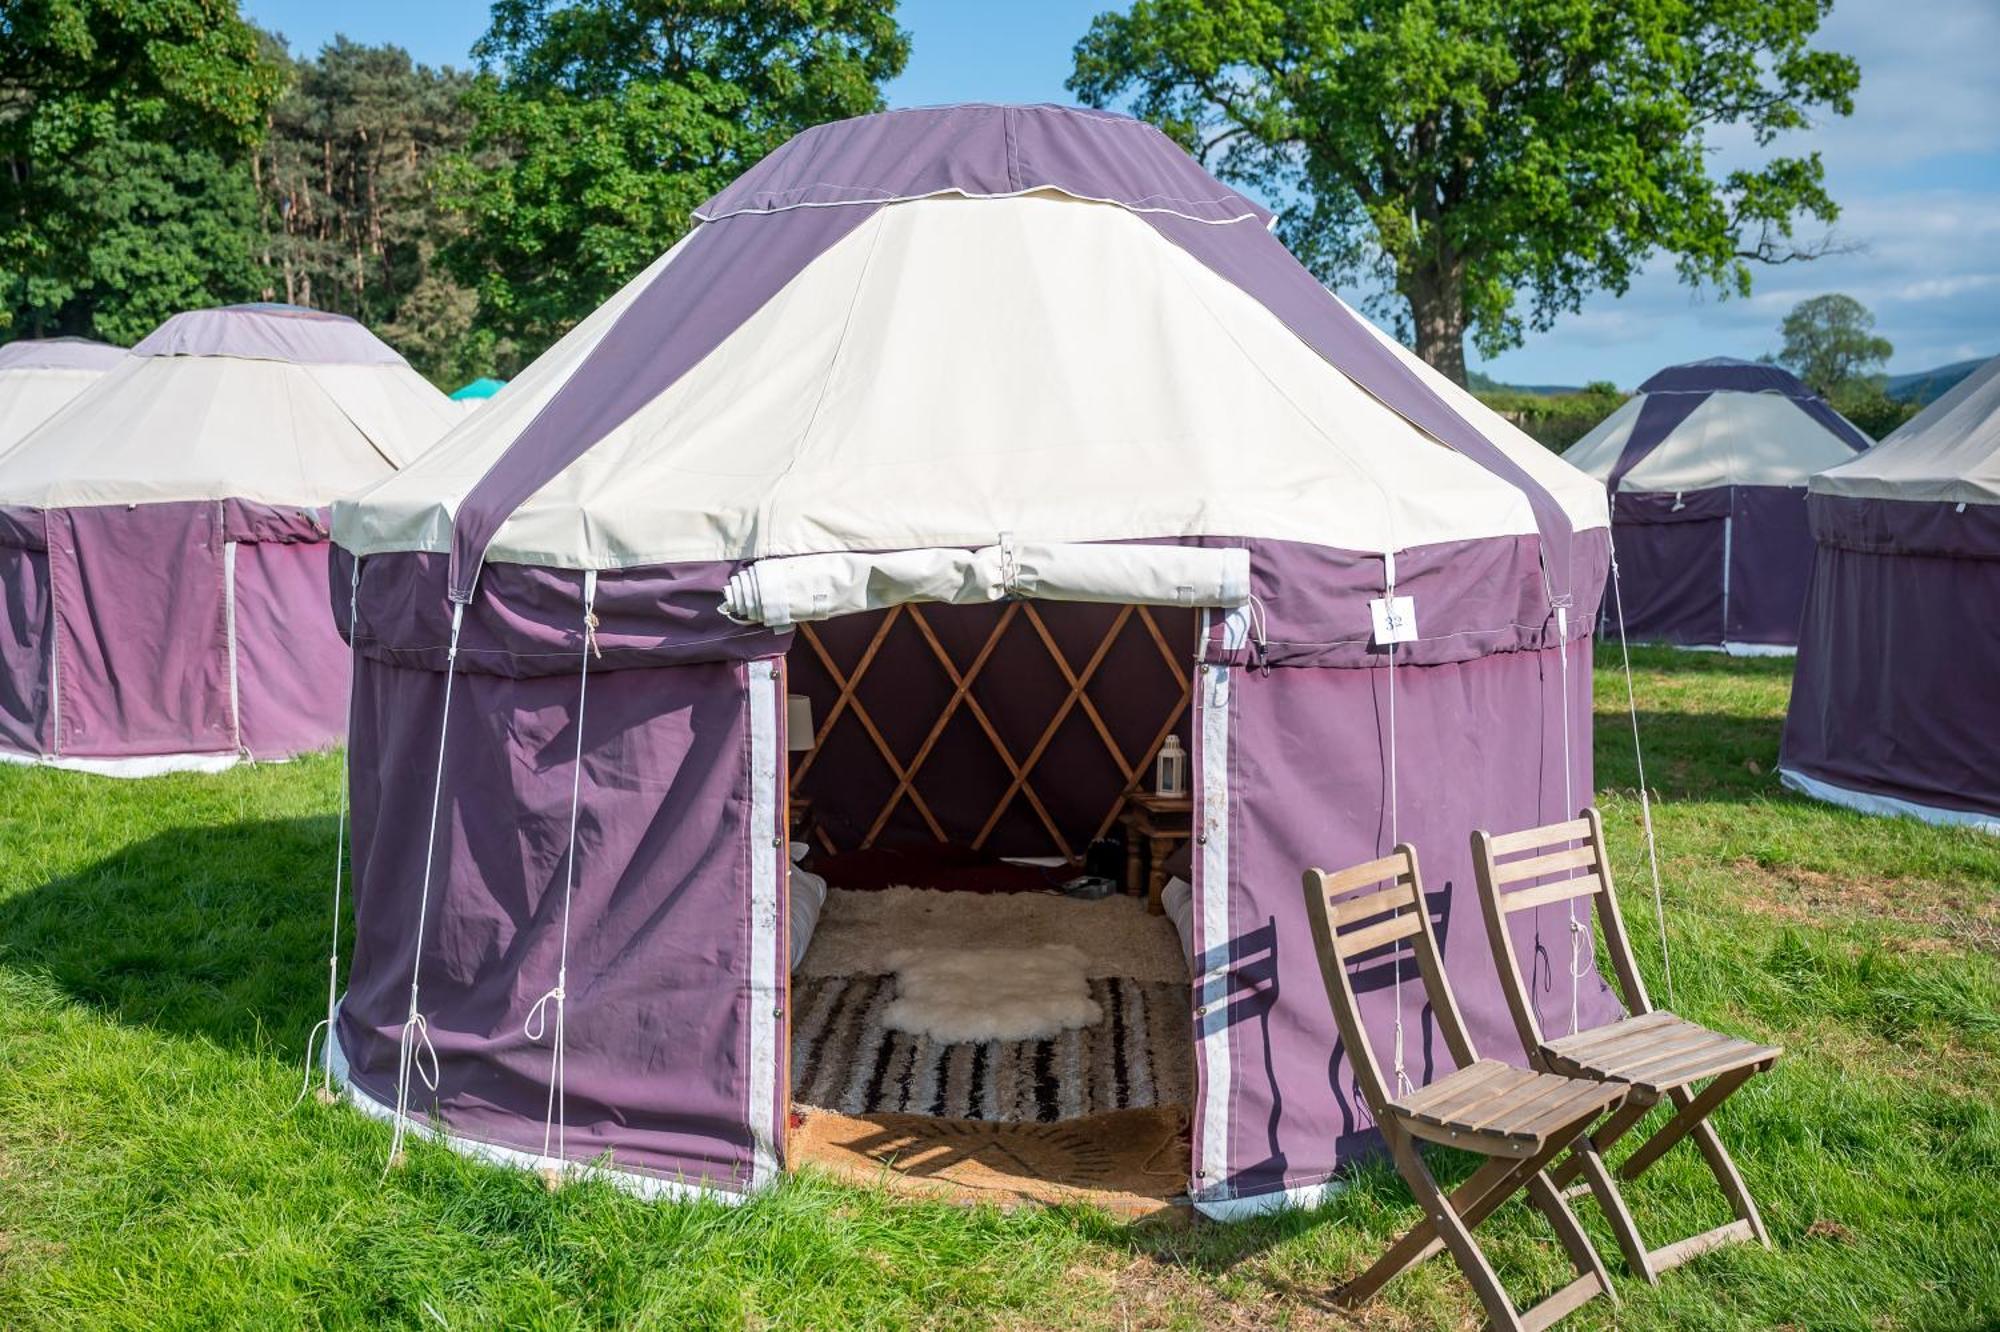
[{"x": 162, "y": 957}]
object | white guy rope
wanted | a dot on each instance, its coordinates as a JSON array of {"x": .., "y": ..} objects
[
  {"x": 1645, "y": 801},
  {"x": 325, "y": 1024},
  {"x": 555, "y": 1125},
  {"x": 416, "y": 1037}
]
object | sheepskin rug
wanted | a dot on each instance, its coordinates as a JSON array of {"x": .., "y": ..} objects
[
  {"x": 954, "y": 995},
  {"x": 856, "y": 930}
]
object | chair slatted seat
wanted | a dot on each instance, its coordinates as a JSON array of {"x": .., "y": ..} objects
[
  {"x": 1520, "y": 1119},
  {"x": 1657, "y": 1055}
]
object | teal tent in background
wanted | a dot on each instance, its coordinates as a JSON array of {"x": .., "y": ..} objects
[{"x": 479, "y": 388}]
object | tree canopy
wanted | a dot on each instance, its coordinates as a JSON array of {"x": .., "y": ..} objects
[
  {"x": 1489, "y": 163},
  {"x": 121, "y": 125},
  {"x": 350, "y": 221},
  {"x": 1830, "y": 341},
  {"x": 600, "y": 125}
]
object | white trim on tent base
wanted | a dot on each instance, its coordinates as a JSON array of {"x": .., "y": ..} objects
[
  {"x": 1885, "y": 806},
  {"x": 1741, "y": 649},
  {"x": 652, "y": 1188},
  {"x": 148, "y": 765},
  {"x": 1302, "y": 1198}
]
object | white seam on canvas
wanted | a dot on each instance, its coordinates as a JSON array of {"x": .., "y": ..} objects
[
  {"x": 1213, "y": 884},
  {"x": 229, "y": 630},
  {"x": 765, "y": 996}
]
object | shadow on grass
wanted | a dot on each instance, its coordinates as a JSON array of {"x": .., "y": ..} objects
[
  {"x": 214, "y": 932},
  {"x": 1692, "y": 755}
]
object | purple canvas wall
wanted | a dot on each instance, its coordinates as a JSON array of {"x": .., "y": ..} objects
[
  {"x": 657, "y": 1010},
  {"x": 1895, "y": 691},
  {"x": 24, "y": 632},
  {"x": 658, "y": 1073},
  {"x": 128, "y": 610},
  {"x": 1707, "y": 567},
  {"x": 1479, "y": 746}
]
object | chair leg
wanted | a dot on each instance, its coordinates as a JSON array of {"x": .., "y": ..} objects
[
  {"x": 1607, "y": 1134},
  {"x": 1583, "y": 1254},
  {"x": 1611, "y": 1202},
  {"x": 1457, "y": 1237},
  {"x": 1688, "y": 1114},
  {"x": 1731, "y": 1181},
  {"x": 1421, "y": 1240}
]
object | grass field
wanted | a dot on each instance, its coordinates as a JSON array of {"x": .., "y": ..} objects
[{"x": 162, "y": 957}]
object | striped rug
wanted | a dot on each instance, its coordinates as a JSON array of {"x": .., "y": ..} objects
[{"x": 844, "y": 1059}]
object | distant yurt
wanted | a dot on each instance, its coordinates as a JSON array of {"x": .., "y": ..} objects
[
  {"x": 163, "y": 542},
  {"x": 1706, "y": 468},
  {"x": 1896, "y": 699},
  {"x": 469, "y": 398},
  {"x": 39, "y": 375},
  {"x": 955, "y": 461}
]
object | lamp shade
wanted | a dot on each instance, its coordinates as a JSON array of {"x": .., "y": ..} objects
[{"x": 798, "y": 723}]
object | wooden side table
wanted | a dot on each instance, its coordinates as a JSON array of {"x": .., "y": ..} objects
[{"x": 1153, "y": 824}]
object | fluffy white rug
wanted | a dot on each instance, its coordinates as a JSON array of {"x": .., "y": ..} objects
[
  {"x": 990, "y": 994},
  {"x": 1116, "y": 935}
]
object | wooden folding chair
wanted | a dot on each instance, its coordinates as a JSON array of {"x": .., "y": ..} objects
[
  {"x": 1519, "y": 1119},
  {"x": 1658, "y": 1055}
]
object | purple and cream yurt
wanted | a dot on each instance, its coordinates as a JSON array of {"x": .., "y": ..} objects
[
  {"x": 163, "y": 542},
  {"x": 39, "y": 375},
  {"x": 1706, "y": 468},
  {"x": 956, "y": 462},
  {"x": 1896, "y": 698}
]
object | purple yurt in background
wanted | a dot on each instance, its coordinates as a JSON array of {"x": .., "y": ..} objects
[
  {"x": 163, "y": 542},
  {"x": 1706, "y": 468},
  {"x": 1896, "y": 699},
  {"x": 39, "y": 375},
  {"x": 945, "y": 367}
]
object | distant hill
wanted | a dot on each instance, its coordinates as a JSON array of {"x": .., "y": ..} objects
[
  {"x": 1926, "y": 386},
  {"x": 1480, "y": 383}
]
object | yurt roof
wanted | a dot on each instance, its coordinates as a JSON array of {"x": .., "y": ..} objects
[
  {"x": 1949, "y": 451},
  {"x": 927, "y": 328},
  {"x": 1717, "y": 422},
  {"x": 59, "y": 354},
  {"x": 39, "y": 376},
  {"x": 268, "y": 403}
]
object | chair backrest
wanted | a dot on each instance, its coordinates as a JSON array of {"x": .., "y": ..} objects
[
  {"x": 1352, "y": 914},
  {"x": 1554, "y": 863}
]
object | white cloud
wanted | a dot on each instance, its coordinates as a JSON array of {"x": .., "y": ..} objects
[{"x": 1916, "y": 170}]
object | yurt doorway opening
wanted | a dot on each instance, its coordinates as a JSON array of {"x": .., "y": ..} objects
[{"x": 985, "y": 1000}]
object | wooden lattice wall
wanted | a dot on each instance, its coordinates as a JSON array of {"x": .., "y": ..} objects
[{"x": 1017, "y": 728}]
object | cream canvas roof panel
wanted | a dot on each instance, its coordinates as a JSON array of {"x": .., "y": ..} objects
[
  {"x": 954, "y": 369},
  {"x": 1949, "y": 451}
]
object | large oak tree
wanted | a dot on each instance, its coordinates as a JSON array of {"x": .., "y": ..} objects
[{"x": 1491, "y": 162}]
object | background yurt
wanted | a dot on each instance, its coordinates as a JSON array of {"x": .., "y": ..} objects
[
  {"x": 40, "y": 375},
  {"x": 163, "y": 542},
  {"x": 1706, "y": 467},
  {"x": 921, "y": 393},
  {"x": 1895, "y": 704}
]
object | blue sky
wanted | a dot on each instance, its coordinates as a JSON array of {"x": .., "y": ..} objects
[{"x": 1916, "y": 169}]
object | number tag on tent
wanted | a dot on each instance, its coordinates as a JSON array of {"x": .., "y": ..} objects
[{"x": 1395, "y": 619}]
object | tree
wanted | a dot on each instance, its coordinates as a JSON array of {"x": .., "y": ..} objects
[
  {"x": 1466, "y": 152},
  {"x": 600, "y": 124},
  {"x": 120, "y": 122},
  {"x": 1830, "y": 343},
  {"x": 351, "y": 222}
]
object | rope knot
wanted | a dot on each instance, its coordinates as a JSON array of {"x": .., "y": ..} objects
[{"x": 537, "y": 1023}]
